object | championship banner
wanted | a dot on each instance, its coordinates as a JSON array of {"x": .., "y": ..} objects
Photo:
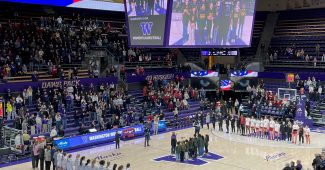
[
  {"x": 290, "y": 77},
  {"x": 1, "y": 108}
]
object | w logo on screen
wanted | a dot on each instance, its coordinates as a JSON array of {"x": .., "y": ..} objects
[{"x": 146, "y": 27}]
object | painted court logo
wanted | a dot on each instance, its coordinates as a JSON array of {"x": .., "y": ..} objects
[
  {"x": 195, "y": 162},
  {"x": 146, "y": 27},
  {"x": 110, "y": 156},
  {"x": 275, "y": 156}
]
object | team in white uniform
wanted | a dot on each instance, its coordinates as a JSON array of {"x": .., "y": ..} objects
[
  {"x": 295, "y": 129},
  {"x": 248, "y": 122},
  {"x": 65, "y": 162},
  {"x": 257, "y": 127},
  {"x": 271, "y": 129},
  {"x": 266, "y": 127},
  {"x": 277, "y": 130},
  {"x": 307, "y": 134}
]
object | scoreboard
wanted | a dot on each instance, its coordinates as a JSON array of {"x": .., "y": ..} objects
[
  {"x": 221, "y": 52},
  {"x": 191, "y": 24}
]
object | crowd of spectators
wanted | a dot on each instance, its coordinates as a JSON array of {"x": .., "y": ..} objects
[
  {"x": 292, "y": 52},
  {"x": 89, "y": 107},
  {"x": 44, "y": 157},
  {"x": 261, "y": 98},
  {"x": 311, "y": 87},
  {"x": 47, "y": 42}
]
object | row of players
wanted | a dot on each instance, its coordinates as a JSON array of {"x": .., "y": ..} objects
[
  {"x": 222, "y": 20},
  {"x": 275, "y": 130}
]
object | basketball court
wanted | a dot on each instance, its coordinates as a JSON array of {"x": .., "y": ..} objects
[{"x": 227, "y": 151}]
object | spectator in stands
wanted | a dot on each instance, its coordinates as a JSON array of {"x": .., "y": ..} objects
[
  {"x": 53, "y": 133},
  {"x": 315, "y": 61},
  {"x": 317, "y": 50}
]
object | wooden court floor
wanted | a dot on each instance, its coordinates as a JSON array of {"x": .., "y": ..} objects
[{"x": 238, "y": 152}]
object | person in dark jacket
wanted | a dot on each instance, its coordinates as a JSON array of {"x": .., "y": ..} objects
[
  {"x": 220, "y": 120},
  {"x": 213, "y": 120},
  {"x": 195, "y": 146},
  {"x": 317, "y": 162},
  {"x": 182, "y": 151},
  {"x": 173, "y": 143},
  {"x": 287, "y": 167},
  {"x": 146, "y": 136},
  {"x": 117, "y": 140},
  {"x": 227, "y": 118},
  {"x": 283, "y": 131},
  {"x": 206, "y": 143}
]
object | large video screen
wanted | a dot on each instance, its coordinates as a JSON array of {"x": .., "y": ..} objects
[
  {"x": 146, "y": 22},
  {"x": 110, "y": 5},
  {"x": 211, "y": 23}
]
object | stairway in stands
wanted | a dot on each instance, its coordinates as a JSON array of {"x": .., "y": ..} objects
[{"x": 318, "y": 113}]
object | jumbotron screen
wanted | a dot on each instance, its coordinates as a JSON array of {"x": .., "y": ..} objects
[
  {"x": 146, "y": 21},
  {"x": 211, "y": 23},
  {"x": 110, "y": 5}
]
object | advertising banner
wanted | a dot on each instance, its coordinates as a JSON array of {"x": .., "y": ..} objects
[
  {"x": 55, "y": 84},
  {"x": 97, "y": 137}
]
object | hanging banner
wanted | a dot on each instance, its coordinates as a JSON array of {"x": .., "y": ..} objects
[{"x": 1, "y": 108}]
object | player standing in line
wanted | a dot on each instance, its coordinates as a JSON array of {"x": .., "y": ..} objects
[
  {"x": 266, "y": 127},
  {"x": 257, "y": 128},
  {"x": 193, "y": 18},
  {"x": 235, "y": 19},
  {"x": 307, "y": 134},
  {"x": 248, "y": 121},
  {"x": 295, "y": 128},
  {"x": 151, "y": 6},
  {"x": 252, "y": 126},
  {"x": 210, "y": 18},
  {"x": 201, "y": 23},
  {"x": 277, "y": 130},
  {"x": 216, "y": 23},
  {"x": 262, "y": 131},
  {"x": 227, "y": 6},
  {"x": 242, "y": 19},
  {"x": 186, "y": 20},
  {"x": 271, "y": 129}
]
